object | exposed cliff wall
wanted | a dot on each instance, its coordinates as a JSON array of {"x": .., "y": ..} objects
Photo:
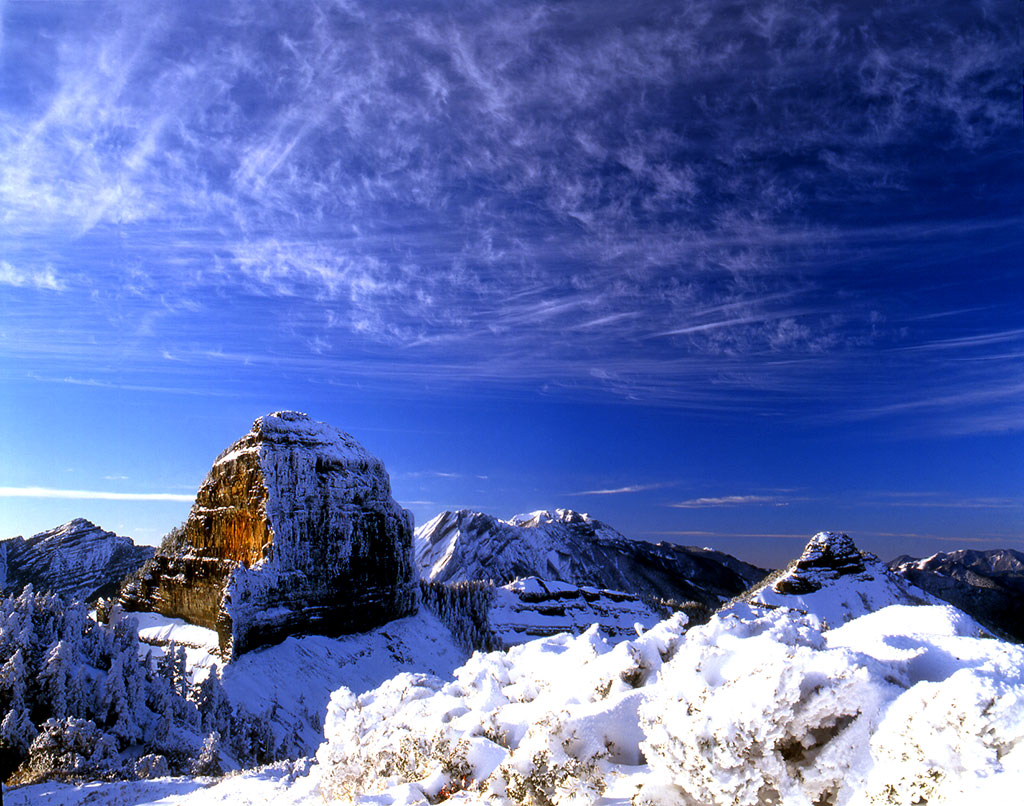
[{"x": 293, "y": 530}]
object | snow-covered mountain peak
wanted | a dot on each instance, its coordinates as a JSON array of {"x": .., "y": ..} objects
[
  {"x": 827, "y": 556},
  {"x": 835, "y": 581},
  {"x": 567, "y": 546},
  {"x": 77, "y": 559},
  {"x": 545, "y": 516}
]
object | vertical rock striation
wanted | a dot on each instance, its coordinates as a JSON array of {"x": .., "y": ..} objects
[{"x": 293, "y": 530}]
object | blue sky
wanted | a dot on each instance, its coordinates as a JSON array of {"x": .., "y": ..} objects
[{"x": 717, "y": 272}]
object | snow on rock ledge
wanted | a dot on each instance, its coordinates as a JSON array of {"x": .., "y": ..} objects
[
  {"x": 293, "y": 530},
  {"x": 835, "y": 581}
]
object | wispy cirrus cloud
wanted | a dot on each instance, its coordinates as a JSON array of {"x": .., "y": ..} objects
[
  {"x": 410, "y": 194},
  {"x": 632, "y": 488},
  {"x": 730, "y": 501},
  {"x": 44, "y": 279},
  {"x": 945, "y": 501}
]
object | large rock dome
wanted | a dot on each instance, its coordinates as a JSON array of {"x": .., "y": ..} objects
[{"x": 293, "y": 530}]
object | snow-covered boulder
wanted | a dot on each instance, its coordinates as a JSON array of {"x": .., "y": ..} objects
[{"x": 293, "y": 530}]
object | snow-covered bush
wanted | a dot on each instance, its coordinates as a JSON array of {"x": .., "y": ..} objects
[
  {"x": 903, "y": 706},
  {"x": 761, "y": 711},
  {"x": 949, "y": 741},
  {"x": 71, "y": 747},
  {"x": 540, "y": 723}
]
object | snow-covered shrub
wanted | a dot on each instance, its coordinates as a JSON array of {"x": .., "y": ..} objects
[
  {"x": 208, "y": 762},
  {"x": 71, "y": 747},
  {"x": 151, "y": 765},
  {"x": 540, "y": 723},
  {"x": 761, "y": 711},
  {"x": 943, "y": 741},
  {"x": 552, "y": 766}
]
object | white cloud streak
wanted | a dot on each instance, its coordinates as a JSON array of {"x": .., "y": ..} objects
[
  {"x": 633, "y": 488},
  {"x": 728, "y": 501},
  {"x": 43, "y": 279}
]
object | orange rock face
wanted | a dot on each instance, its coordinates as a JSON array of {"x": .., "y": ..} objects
[{"x": 229, "y": 519}]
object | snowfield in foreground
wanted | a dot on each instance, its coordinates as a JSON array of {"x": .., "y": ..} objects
[{"x": 906, "y": 705}]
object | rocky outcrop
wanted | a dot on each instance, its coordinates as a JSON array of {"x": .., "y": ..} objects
[
  {"x": 988, "y": 585},
  {"x": 77, "y": 560},
  {"x": 833, "y": 580},
  {"x": 530, "y": 608},
  {"x": 571, "y": 547},
  {"x": 294, "y": 530},
  {"x": 827, "y": 557}
]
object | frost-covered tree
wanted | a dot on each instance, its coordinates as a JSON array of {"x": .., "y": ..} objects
[
  {"x": 208, "y": 761},
  {"x": 213, "y": 705}
]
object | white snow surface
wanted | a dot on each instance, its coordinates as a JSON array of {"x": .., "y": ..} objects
[
  {"x": 294, "y": 679},
  {"x": 905, "y": 705}
]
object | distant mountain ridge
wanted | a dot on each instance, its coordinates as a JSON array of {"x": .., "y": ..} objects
[
  {"x": 76, "y": 560},
  {"x": 987, "y": 584},
  {"x": 567, "y": 546}
]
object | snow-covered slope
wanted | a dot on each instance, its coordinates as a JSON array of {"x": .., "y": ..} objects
[
  {"x": 76, "y": 560},
  {"x": 567, "y": 546},
  {"x": 987, "y": 584},
  {"x": 906, "y": 704},
  {"x": 291, "y": 682},
  {"x": 835, "y": 581}
]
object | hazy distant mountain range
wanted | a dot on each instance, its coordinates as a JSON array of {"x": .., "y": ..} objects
[{"x": 987, "y": 584}]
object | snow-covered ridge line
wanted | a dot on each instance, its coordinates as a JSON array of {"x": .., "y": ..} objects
[
  {"x": 75, "y": 560},
  {"x": 571, "y": 547}
]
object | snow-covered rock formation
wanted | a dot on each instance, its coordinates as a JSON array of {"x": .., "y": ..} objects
[
  {"x": 77, "y": 560},
  {"x": 987, "y": 584},
  {"x": 531, "y": 607},
  {"x": 293, "y": 530},
  {"x": 835, "y": 581},
  {"x": 566, "y": 546}
]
